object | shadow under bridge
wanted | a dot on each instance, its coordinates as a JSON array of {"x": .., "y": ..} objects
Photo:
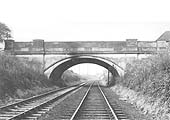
[{"x": 56, "y": 70}]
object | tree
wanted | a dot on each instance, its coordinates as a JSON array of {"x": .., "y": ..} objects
[{"x": 5, "y": 32}]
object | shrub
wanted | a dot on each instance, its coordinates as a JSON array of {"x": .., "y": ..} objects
[
  {"x": 70, "y": 78},
  {"x": 149, "y": 76},
  {"x": 20, "y": 74}
]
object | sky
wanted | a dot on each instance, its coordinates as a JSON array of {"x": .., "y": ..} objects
[
  {"x": 85, "y": 20},
  {"x": 88, "y": 69}
]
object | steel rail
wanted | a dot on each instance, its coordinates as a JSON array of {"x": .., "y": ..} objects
[
  {"x": 114, "y": 114},
  {"x": 81, "y": 102},
  {"x": 23, "y": 114},
  {"x": 39, "y": 106},
  {"x": 35, "y": 97},
  {"x": 85, "y": 96}
]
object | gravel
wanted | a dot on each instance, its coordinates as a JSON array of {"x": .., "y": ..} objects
[
  {"x": 128, "y": 108},
  {"x": 64, "y": 108}
]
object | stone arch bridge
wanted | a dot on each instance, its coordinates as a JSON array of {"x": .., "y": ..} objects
[
  {"x": 55, "y": 65},
  {"x": 59, "y": 56},
  {"x": 55, "y": 70}
]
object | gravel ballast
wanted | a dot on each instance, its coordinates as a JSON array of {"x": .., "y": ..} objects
[{"x": 64, "y": 109}]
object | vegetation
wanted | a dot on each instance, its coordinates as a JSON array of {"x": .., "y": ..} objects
[
  {"x": 5, "y": 32},
  {"x": 19, "y": 75},
  {"x": 70, "y": 78},
  {"x": 150, "y": 77},
  {"x": 104, "y": 79},
  {"x": 21, "y": 78}
]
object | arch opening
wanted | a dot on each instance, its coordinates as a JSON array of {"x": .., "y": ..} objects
[
  {"x": 59, "y": 70},
  {"x": 87, "y": 69},
  {"x": 88, "y": 72}
]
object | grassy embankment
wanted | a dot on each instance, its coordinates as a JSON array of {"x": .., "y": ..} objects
[
  {"x": 21, "y": 78},
  {"x": 71, "y": 78},
  {"x": 146, "y": 84}
]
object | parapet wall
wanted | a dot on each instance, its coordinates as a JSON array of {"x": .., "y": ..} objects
[{"x": 132, "y": 46}]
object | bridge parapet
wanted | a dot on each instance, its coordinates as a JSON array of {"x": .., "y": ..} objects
[{"x": 130, "y": 46}]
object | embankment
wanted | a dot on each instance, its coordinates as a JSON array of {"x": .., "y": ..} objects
[
  {"x": 21, "y": 78},
  {"x": 146, "y": 85},
  {"x": 70, "y": 78}
]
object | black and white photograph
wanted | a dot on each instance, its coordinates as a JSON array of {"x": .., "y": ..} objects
[{"x": 84, "y": 60}]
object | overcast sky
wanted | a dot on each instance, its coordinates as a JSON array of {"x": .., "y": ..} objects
[{"x": 85, "y": 20}]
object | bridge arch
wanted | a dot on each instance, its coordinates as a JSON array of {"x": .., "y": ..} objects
[{"x": 58, "y": 68}]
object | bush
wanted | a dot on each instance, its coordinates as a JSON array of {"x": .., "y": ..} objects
[
  {"x": 150, "y": 76},
  {"x": 70, "y": 78},
  {"x": 20, "y": 74}
]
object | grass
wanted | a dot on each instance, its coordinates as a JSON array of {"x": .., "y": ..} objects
[
  {"x": 18, "y": 74},
  {"x": 21, "y": 78},
  {"x": 150, "y": 77},
  {"x": 70, "y": 78}
]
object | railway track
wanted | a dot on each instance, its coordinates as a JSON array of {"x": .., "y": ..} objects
[
  {"x": 92, "y": 102},
  {"x": 33, "y": 107},
  {"x": 92, "y": 105},
  {"x": 95, "y": 105}
]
